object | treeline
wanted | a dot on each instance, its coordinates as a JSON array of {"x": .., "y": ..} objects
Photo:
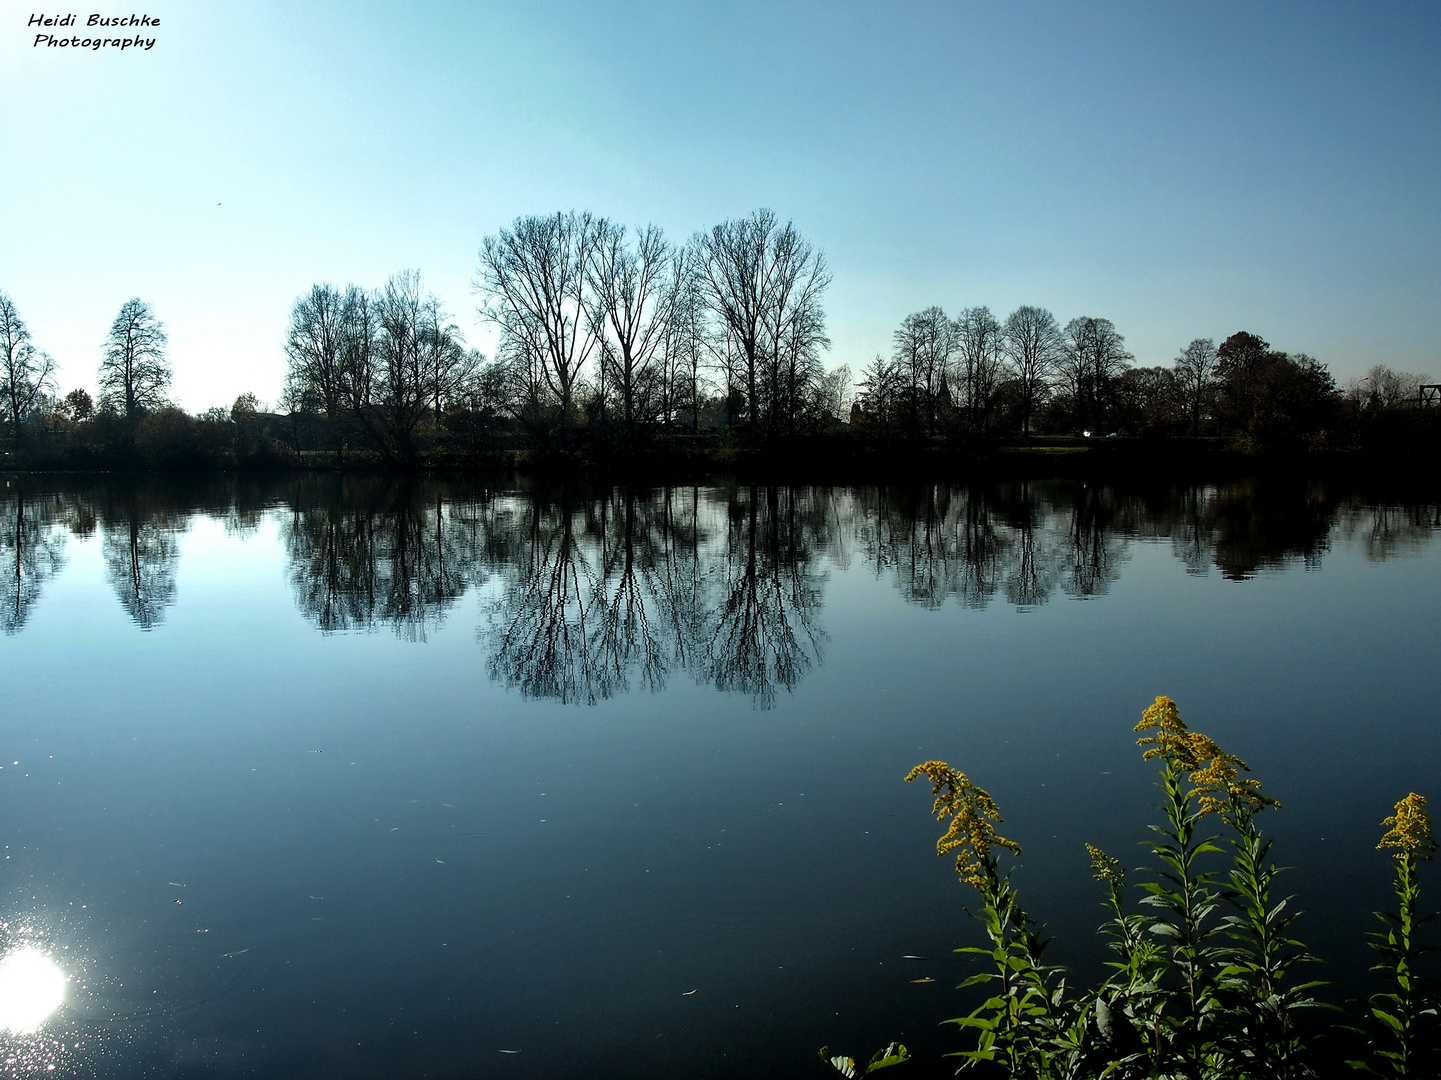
[
  {"x": 612, "y": 342},
  {"x": 978, "y": 376},
  {"x": 608, "y": 339},
  {"x": 133, "y": 423}
]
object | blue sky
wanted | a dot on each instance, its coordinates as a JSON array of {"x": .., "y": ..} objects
[{"x": 1186, "y": 172}]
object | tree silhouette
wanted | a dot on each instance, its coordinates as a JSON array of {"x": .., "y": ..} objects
[
  {"x": 133, "y": 372},
  {"x": 26, "y": 373}
]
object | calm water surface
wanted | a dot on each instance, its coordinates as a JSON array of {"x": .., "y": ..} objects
[{"x": 328, "y": 777}]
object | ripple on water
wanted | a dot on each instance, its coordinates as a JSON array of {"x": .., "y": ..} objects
[{"x": 173, "y": 975}]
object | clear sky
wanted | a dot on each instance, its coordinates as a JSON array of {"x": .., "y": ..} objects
[{"x": 1184, "y": 170}]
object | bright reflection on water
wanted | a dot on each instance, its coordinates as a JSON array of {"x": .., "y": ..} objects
[
  {"x": 32, "y": 987},
  {"x": 346, "y": 776}
]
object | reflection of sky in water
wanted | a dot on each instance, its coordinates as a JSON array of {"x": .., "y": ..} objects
[{"x": 388, "y": 863}]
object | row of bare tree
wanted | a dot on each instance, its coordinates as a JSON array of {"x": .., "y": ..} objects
[
  {"x": 977, "y": 374},
  {"x": 946, "y": 373},
  {"x": 600, "y": 327},
  {"x": 377, "y": 365},
  {"x": 627, "y": 328}
]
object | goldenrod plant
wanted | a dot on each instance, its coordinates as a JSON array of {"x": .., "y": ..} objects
[
  {"x": 1016, "y": 1024},
  {"x": 1205, "y": 983},
  {"x": 1403, "y": 1019}
]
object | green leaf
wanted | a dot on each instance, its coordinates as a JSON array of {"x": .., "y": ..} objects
[{"x": 893, "y": 1054}]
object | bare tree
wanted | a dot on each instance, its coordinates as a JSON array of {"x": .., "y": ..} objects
[
  {"x": 1093, "y": 357},
  {"x": 409, "y": 344},
  {"x": 1033, "y": 346},
  {"x": 533, "y": 282},
  {"x": 330, "y": 346},
  {"x": 316, "y": 348},
  {"x": 732, "y": 262},
  {"x": 764, "y": 284},
  {"x": 633, "y": 291},
  {"x": 1383, "y": 389},
  {"x": 979, "y": 340},
  {"x": 447, "y": 366},
  {"x": 690, "y": 340},
  {"x": 797, "y": 327},
  {"x": 833, "y": 392},
  {"x": 133, "y": 373},
  {"x": 27, "y": 372},
  {"x": 922, "y": 348},
  {"x": 1193, "y": 370}
]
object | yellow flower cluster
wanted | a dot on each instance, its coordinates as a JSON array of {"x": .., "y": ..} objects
[
  {"x": 1173, "y": 741},
  {"x": 1106, "y": 868},
  {"x": 1410, "y": 830},
  {"x": 972, "y": 811},
  {"x": 1213, "y": 772},
  {"x": 1222, "y": 793}
]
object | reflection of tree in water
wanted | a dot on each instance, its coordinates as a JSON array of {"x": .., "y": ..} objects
[
  {"x": 1387, "y": 530},
  {"x": 632, "y": 585},
  {"x": 1021, "y": 540},
  {"x": 31, "y": 551},
  {"x": 141, "y": 554},
  {"x": 1264, "y": 526},
  {"x": 765, "y": 633},
  {"x": 597, "y": 588},
  {"x": 364, "y": 553},
  {"x": 596, "y": 593},
  {"x": 1095, "y": 551},
  {"x": 939, "y": 543},
  {"x": 542, "y": 643},
  {"x": 1028, "y": 540},
  {"x": 1240, "y": 528},
  {"x": 1033, "y": 569}
]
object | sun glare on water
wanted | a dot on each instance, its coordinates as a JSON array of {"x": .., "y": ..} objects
[{"x": 31, "y": 988}]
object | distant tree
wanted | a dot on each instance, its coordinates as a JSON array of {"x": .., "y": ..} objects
[
  {"x": 133, "y": 372},
  {"x": 1033, "y": 346},
  {"x": 448, "y": 367},
  {"x": 76, "y": 406},
  {"x": 833, "y": 391},
  {"x": 1270, "y": 397},
  {"x": 1093, "y": 358},
  {"x": 692, "y": 343},
  {"x": 1383, "y": 389},
  {"x": 922, "y": 349},
  {"x": 980, "y": 342},
  {"x": 532, "y": 281},
  {"x": 1193, "y": 370},
  {"x": 245, "y": 408},
  {"x": 329, "y": 346},
  {"x": 26, "y": 373},
  {"x": 633, "y": 291},
  {"x": 421, "y": 364},
  {"x": 882, "y": 388},
  {"x": 764, "y": 284},
  {"x": 1150, "y": 399}
]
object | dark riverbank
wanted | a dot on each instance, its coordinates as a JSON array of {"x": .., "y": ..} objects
[{"x": 839, "y": 457}]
